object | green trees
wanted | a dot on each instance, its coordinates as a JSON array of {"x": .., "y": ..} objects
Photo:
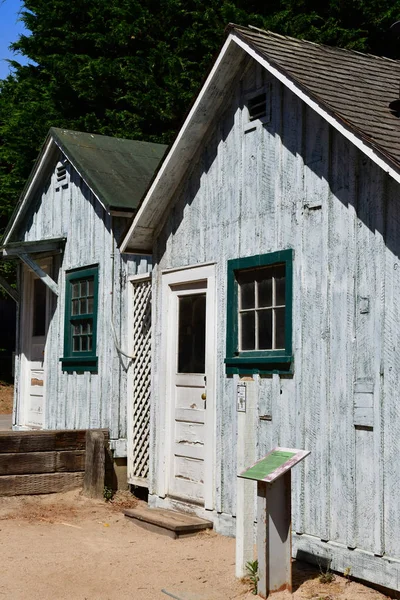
[{"x": 130, "y": 68}]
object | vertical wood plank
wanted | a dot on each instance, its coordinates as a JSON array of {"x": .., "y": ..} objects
[
  {"x": 245, "y": 489},
  {"x": 93, "y": 482}
]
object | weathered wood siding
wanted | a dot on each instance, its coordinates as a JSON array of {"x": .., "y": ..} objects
[
  {"x": 297, "y": 183},
  {"x": 86, "y": 400}
]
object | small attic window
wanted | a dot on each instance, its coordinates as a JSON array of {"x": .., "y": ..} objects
[
  {"x": 61, "y": 174},
  {"x": 258, "y": 107}
]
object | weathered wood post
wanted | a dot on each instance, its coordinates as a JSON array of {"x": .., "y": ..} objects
[
  {"x": 274, "y": 518},
  {"x": 274, "y": 533},
  {"x": 246, "y": 403},
  {"x": 93, "y": 483}
]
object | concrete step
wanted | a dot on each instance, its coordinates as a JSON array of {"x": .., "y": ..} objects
[{"x": 167, "y": 522}]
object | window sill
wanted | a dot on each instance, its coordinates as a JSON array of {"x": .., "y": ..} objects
[
  {"x": 259, "y": 363},
  {"x": 79, "y": 364}
]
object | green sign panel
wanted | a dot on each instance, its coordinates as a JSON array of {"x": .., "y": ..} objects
[{"x": 268, "y": 465}]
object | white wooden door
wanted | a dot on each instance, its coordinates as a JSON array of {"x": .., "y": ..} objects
[
  {"x": 191, "y": 365},
  {"x": 36, "y": 321}
]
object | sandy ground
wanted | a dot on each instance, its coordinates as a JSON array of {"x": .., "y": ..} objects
[
  {"x": 6, "y": 398},
  {"x": 66, "y": 546}
]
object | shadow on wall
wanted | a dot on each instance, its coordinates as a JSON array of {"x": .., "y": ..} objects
[{"x": 350, "y": 176}]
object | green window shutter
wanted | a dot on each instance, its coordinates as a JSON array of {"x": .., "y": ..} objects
[
  {"x": 259, "y": 359},
  {"x": 80, "y": 324}
]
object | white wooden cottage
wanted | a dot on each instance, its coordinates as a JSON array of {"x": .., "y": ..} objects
[
  {"x": 78, "y": 296},
  {"x": 274, "y": 225}
]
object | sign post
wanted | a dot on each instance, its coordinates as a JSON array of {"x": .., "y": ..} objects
[{"x": 274, "y": 518}]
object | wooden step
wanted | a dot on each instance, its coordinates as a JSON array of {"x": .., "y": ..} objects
[{"x": 167, "y": 522}]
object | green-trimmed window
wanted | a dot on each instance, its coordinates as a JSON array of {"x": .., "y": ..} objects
[
  {"x": 259, "y": 317},
  {"x": 80, "y": 320}
]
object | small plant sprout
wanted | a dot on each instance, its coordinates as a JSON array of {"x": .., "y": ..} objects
[
  {"x": 107, "y": 494},
  {"x": 326, "y": 575},
  {"x": 252, "y": 570},
  {"x": 347, "y": 573}
]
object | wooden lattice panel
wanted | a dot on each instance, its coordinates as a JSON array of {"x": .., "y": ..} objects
[{"x": 141, "y": 378}]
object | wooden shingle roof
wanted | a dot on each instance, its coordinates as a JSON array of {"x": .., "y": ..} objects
[{"x": 356, "y": 88}]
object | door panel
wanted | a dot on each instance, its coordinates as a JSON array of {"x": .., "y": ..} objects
[{"x": 189, "y": 433}]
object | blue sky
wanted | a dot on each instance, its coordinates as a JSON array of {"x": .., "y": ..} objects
[{"x": 10, "y": 29}]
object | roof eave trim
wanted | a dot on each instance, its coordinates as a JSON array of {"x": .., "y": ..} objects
[
  {"x": 164, "y": 166},
  {"x": 26, "y": 193}
]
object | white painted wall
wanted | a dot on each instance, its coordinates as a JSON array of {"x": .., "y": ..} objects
[
  {"x": 297, "y": 183},
  {"x": 83, "y": 400}
]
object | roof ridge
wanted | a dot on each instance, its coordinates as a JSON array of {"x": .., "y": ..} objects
[
  {"x": 270, "y": 33},
  {"x": 101, "y": 135}
]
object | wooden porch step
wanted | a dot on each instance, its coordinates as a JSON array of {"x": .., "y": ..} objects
[{"x": 167, "y": 522}]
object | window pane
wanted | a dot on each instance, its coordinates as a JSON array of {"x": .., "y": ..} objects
[
  {"x": 39, "y": 308},
  {"x": 247, "y": 331},
  {"x": 75, "y": 307},
  {"x": 265, "y": 329},
  {"x": 279, "y": 275},
  {"x": 280, "y": 328},
  {"x": 246, "y": 289},
  {"x": 82, "y": 291},
  {"x": 247, "y": 295},
  {"x": 265, "y": 288},
  {"x": 192, "y": 334},
  {"x": 75, "y": 290}
]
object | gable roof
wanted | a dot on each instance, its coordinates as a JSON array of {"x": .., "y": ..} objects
[
  {"x": 118, "y": 171},
  {"x": 352, "y": 91}
]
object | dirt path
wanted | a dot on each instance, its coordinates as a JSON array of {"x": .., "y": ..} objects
[
  {"x": 68, "y": 547},
  {"x": 6, "y": 398}
]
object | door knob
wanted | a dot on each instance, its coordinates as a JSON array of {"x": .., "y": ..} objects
[{"x": 204, "y": 396}]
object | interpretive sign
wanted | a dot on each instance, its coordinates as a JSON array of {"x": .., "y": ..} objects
[
  {"x": 274, "y": 519},
  {"x": 274, "y": 464}
]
